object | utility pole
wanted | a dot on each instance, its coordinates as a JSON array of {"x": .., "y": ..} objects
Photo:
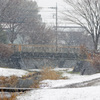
[
  {"x": 56, "y": 27},
  {"x": 56, "y": 24}
]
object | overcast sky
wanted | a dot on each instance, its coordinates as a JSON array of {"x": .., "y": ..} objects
[
  {"x": 47, "y": 3},
  {"x": 48, "y": 15}
]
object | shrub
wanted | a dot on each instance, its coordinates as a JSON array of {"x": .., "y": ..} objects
[
  {"x": 8, "y": 81},
  {"x": 95, "y": 61},
  {"x": 46, "y": 73},
  {"x": 83, "y": 51},
  {"x": 4, "y": 97},
  {"x": 36, "y": 84},
  {"x": 49, "y": 73},
  {"x": 5, "y": 50},
  {"x": 31, "y": 74}
]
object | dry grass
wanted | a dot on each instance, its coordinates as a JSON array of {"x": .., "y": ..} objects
[
  {"x": 36, "y": 84},
  {"x": 46, "y": 73},
  {"x": 49, "y": 73},
  {"x": 8, "y": 81},
  {"x": 31, "y": 74},
  {"x": 3, "y": 96}
]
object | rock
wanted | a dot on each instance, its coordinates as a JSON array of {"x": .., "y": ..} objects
[
  {"x": 24, "y": 83},
  {"x": 78, "y": 66},
  {"x": 88, "y": 69},
  {"x": 85, "y": 68}
]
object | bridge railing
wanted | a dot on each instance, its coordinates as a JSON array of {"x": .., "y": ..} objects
[{"x": 45, "y": 48}]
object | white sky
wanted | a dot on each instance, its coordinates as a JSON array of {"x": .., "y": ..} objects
[
  {"x": 48, "y": 15},
  {"x": 47, "y": 3}
]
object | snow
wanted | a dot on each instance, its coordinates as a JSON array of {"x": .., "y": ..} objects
[
  {"x": 56, "y": 69},
  {"x": 10, "y": 72},
  {"x": 72, "y": 79},
  {"x": 87, "y": 93},
  {"x": 48, "y": 92}
]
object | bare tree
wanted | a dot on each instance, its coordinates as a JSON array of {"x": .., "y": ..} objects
[
  {"x": 21, "y": 18},
  {"x": 42, "y": 35},
  {"x": 39, "y": 34},
  {"x": 3, "y": 36},
  {"x": 85, "y": 13},
  {"x": 9, "y": 18},
  {"x": 15, "y": 13}
]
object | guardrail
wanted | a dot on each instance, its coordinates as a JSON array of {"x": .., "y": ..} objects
[{"x": 45, "y": 48}]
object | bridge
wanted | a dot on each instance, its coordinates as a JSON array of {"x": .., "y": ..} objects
[
  {"x": 37, "y": 56},
  {"x": 46, "y": 51}
]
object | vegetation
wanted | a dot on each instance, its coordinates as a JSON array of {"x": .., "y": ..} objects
[
  {"x": 49, "y": 73},
  {"x": 85, "y": 13},
  {"x": 37, "y": 77},
  {"x": 95, "y": 61},
  {"x": 21, "y": 20},
  {"x": 4, "y": 97},
  {"x": 5, "y": 51},
  {"x": 8, "y": 81},
  {"x": 92, "y": 57},
  {"x": 3, "y": 36}
]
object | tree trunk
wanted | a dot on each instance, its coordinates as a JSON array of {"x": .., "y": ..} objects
[
  {"x": 96, "y": 45},
  {"x": 12, "y": 41},
  {"x": 95, "y": 41}
]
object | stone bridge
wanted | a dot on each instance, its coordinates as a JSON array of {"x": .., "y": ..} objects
[{"x": 37, "y": 56}]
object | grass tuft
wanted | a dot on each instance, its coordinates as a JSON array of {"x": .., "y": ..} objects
[
  {"x": 49, "y": 73},
  {"x": 12, "y": 96},
  {"x": 8, "y": 81}
]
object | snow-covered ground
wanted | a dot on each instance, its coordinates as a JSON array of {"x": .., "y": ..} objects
[
  {"x": 73, "y": 78},
  {"x": 10, "y": 72},
  {"x": 49, "y": 92},
  {"x": 87, "y": 93}
]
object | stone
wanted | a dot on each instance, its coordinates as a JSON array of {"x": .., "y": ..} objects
[
  {"x": 78, "y": 66},
  {"x": 24, "y": 83},
  {"x": 85, "y": 68},
  {"x": 88, "y": 69}
]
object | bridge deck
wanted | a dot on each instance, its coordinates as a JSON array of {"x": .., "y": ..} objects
[{"x": 45, "y": 48}]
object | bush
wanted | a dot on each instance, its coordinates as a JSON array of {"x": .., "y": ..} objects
[
  {"x": 49, "y": 73},
  {"x": 8, "y": 81},
  {"x": 4, "y": 97},
  {"x": 46, "y": 73},
  {"x": 95, "y": 61},
  {"x": 36, "y": 84},
  {"x": 5, "y": 50},
  {"x": 92, "y": 57},
  {"x": 84, "y": 52}
]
